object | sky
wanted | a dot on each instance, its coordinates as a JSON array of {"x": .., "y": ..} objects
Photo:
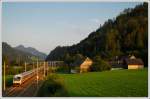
[{"x": 46, "y": 25}]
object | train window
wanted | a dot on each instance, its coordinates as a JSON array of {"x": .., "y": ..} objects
[{"x": 17, "y": 78}]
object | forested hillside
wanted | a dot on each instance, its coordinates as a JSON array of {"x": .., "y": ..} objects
[{"x": 126, "y": 34}]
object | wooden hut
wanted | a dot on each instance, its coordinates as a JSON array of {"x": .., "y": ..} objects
[
  {"x": 83, "y": 65},
  {"x": 134, "y": 63}
]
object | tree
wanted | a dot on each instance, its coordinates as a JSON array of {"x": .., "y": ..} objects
[
  {"x": 112, "y": 42},
  {"x": 68, "y": 61},
  {"x": 100, "y": 65}
]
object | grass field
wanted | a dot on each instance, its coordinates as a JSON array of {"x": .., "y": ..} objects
[{"x": 117, "y": 83}]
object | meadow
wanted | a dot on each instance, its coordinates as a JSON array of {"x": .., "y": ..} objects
[{"x": 116, "y": 83}]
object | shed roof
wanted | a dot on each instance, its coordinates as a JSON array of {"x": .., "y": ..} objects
[{"x": 137, "y": 61}]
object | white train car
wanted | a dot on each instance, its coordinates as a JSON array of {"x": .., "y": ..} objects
[{"x": 20, "y": 78}]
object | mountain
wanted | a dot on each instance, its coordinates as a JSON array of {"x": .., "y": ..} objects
[
  {"x": 12, "y": 55},
  {"x": 126, "y": 34},
  {"x": 32, "y": 51}
]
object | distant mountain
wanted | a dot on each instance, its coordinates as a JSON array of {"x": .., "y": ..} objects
[
  {"x": 32, "y": 51},
  {"x": 10, "y": 54}
]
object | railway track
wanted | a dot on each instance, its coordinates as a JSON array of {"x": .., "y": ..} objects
[
  {"x": 14, "y": 91},
  {"x": 31, "y": 90},
  {"x": 27, "y": 89}
]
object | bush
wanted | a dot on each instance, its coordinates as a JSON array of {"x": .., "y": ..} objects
[
  {"x": 100, "y": 65},
  {"x": 77, "y": 68},
  {"x": 52, "y": 87},
  {"x": 63, "y": 69},
  {"x": 9, "y": 80}
]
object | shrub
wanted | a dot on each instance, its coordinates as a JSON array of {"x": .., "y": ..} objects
[
  {"x": 9, "y": 80},
  {"x": 63, "y": 69},
  {"x": 100, "y": 65},
  {"x": 52, "y": 87},
  {"x": 77, "y": 68}
]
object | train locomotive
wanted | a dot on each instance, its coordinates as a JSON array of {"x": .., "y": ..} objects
[{"x": 21, "y": 78}]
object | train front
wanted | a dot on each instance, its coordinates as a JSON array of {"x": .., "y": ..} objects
[{"x": 17, "y": 80}]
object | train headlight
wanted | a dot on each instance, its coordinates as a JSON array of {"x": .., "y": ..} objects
[{"x": 37, "y": 77}]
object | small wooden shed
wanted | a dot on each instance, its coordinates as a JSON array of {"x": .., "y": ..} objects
[
  {"x": 85, "y": 66},
  {"x": 134, "y": 63}
]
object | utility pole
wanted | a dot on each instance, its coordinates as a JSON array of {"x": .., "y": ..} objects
[
  {"x": 25, "y": 66},
  {"x": 4, "y": 77},
  {"x": 44, "y": 68},
  {"x": 47, "y": 68},
  {"x": 37, "y": 76},
  {"x": 33, "y": 66}
]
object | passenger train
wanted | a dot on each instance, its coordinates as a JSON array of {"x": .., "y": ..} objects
[{"x": 21, "y": 78}]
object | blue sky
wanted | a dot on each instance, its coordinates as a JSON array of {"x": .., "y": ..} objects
[{"x": 45, "y": 25}]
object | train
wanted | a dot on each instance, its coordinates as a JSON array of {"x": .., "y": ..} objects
[{"x": 21, "y": 78}]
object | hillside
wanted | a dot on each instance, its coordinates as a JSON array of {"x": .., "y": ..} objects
[
  {"x": 32, "y": 51},
  {"x": 11, "y": 55},
  {"x": 126, "y": 34}
]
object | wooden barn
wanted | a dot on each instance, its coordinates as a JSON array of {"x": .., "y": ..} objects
[
  {"x": 134, "y": 63},
  {"x": 83, "y": 64}
]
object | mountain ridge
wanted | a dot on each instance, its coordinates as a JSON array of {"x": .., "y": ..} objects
[
  {"x": 14, "y": 56},
  {"x": 32, "y": 51}
]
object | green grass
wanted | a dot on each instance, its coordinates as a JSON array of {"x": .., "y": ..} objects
[{"x": 117, "y": 83}]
